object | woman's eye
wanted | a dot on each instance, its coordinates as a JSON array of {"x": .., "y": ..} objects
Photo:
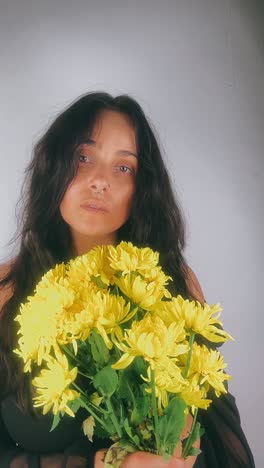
[
  {"x": 125, "y": 169},
  {"x": 83, "y": 158}
]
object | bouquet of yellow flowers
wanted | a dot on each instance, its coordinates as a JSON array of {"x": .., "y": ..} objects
[{"x": 104, "y": 333}]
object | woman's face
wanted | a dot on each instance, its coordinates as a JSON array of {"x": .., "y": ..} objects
[{"x": 98, "y": 200}]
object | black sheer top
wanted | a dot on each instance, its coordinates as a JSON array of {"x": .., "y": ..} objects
[{"x": 26, "y": 442}]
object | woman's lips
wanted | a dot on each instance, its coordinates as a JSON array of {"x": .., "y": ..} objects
[{"x": 94, "y": 207}]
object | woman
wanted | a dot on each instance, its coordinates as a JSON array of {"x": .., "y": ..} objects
[{"x": 97, "y": 177}]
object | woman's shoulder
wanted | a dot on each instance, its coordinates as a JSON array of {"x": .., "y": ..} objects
[
  {"x": 4, "y": 269},
  {"x": 194, "y": 285},
  {"x": 5, "y": 289}
]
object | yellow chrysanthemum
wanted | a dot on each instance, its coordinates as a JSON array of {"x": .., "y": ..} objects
[
  {"x": 207, "y": 369},
  {"x": 145, "y": 294},
  {"x": 41, "y": 318},
  {"x": 109, "y": 312},
  {"x": 104, "y": 312},
  {"x": 156, "y": 275},
  {"x": 76, "y": 326},
  {"x": 195, "y": 397},
  {"x": 126, "y": 257},
  {"x": 151, "y": 339},
  {"x": 55, "y": 290},
  {"x": 77, "y": 321},
  {"x": 198, "y": 318},
  {"x": 52, "y": 386},
  {"x": 38, "y": 330},
  {"x": 95, "y": 263},
  {"x": 168, "y": 379},
  {"x": 55, "y": 276}
]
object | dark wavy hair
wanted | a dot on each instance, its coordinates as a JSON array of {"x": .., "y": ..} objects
[{"x": 156, "y": 219}]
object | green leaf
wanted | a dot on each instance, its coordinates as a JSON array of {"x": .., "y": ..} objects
[
  {"x": 88, "y": 427},
  {"x": 171, "y": 424},
  {"x": 128, "y": 430},
  {"x": 85, "y": 356},
  {"x": 196, "y": 434},
  {"x": 99, "y": 349},
  {"x": 126, "y": 444},
  {"x": 123, "y": 389},
  {"x": 115, "y": 290},
  {"x": 102, "y": 433},
  {"x": 139, "y": 366},
  {"x": 116, "y": 453},
  {"x": 118, "y": 273},
  {"x": 56, "y": 420},
  {"x": 75, "y": 405},
  {"x": 109, "y": 426},
  {"x": 194, "y": 451},
  {"x": 147, "y": 435},
  {"x": 106, "y": 381},
  {"x": 140, "y": 411},
  {"x": 98, "y": 281}
]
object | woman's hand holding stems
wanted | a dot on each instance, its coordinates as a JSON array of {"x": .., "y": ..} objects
[{"x": 146, "y": 459}]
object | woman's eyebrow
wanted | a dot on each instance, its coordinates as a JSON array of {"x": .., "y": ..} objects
[
  {"x": 122, "y": 152},
  {"x": 126, "y": 153}
]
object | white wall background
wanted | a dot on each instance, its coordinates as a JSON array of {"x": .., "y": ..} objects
[{"x": 197, "y": 68}]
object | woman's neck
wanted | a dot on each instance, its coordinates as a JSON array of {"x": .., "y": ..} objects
[{"x": 82, "y": 244}]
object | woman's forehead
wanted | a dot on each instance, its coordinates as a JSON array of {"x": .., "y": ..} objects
[{"x": 112, "y": 127}]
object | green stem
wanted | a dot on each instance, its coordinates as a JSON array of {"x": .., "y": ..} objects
[
  {"x": 88, "y": 407},
  {"x": 113, "y": 416},
  {"x": 85, "y": 375},
  {"x": 101, "y": 410},
  {"x": 131, "y": 393},
  {"x": 134, "y": 444},
  {"x": 67, "y": 351},
  {"x": 155, "y": 409},
  {"x": 79, "y": 389},
  {"x": 188, "y": 443},
  {"x": 191, "y": 340},
  {"x": 94, "y": 414}
]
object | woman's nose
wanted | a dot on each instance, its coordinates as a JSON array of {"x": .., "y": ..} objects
[
  {"x": 99, "y": 182},
  {"x": 99, "y": 186}
]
